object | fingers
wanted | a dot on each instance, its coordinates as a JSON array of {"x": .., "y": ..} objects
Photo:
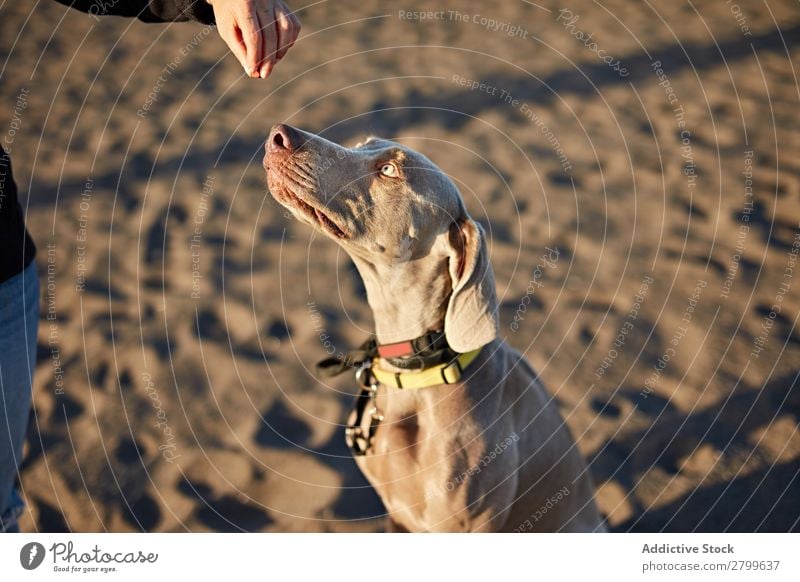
[
  {"x": 269, "y": 38},
  {"x": 258, "y": 32},
  {"x": 263, "y": 26},
  {"x": 251, "y": 36},
  {"x": 296, "y": 26},
  {"x": 286, "y": 32},
  {"x": 232, "y": 36}
]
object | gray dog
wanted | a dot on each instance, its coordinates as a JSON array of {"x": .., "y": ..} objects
[{"x": 453, "y": 428}]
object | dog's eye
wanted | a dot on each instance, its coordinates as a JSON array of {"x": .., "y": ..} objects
[{"x": 389, "y": 170}]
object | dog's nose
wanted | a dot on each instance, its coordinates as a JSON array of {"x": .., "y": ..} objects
[{"x": 284, "y": 137}]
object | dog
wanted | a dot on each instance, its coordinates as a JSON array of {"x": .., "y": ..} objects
[{"x": 453, "y": 428}]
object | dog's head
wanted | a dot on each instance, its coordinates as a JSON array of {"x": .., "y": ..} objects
[{"x": 390, "y": 206}]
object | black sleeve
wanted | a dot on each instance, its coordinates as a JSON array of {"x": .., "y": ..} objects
[
  {"x": 16, "y": 247},
  {"x": 147, "y": 10}
]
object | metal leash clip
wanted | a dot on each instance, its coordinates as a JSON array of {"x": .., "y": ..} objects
[{"x": 358, "y": 437}]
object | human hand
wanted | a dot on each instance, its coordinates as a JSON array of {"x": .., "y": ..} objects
[{"x": 258, "y": 32}]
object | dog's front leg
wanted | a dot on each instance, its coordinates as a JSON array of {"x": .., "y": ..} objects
[{"x": 393, "y": 527}]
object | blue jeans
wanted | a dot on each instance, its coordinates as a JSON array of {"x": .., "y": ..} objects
[{"x": 19, "y": 322}]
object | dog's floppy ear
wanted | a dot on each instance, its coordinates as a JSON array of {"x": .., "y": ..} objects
[{"x": 471, "y": 318}]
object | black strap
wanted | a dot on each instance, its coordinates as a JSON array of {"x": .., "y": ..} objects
[
  {"x": 334, "y": 366},
  {"x": 430, "y": 350}
]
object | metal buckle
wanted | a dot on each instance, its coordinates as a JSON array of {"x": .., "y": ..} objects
[
  {"x": 455, "y": 363},
  {"x": 359, "y": 438},
  {"x": 363, "y": 367}
]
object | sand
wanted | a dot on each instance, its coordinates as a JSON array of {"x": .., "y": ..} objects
[{"x": 183, "y": 311}]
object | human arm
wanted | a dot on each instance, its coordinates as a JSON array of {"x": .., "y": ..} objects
[{"x": 258, "y": 32}]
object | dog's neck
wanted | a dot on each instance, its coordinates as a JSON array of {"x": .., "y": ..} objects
[{"x": 408, "y": 299}]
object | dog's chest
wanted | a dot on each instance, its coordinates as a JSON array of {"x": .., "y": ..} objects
[{"x": 396, "y": 469}]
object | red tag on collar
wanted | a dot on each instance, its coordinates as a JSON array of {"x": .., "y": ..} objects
[{"x": 396, "y": 350}]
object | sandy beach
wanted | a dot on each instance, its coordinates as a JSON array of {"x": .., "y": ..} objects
[{"x": 635, "y": 167}]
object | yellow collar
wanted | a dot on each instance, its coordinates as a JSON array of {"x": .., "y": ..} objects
[{"x": 448, "y": 373}]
